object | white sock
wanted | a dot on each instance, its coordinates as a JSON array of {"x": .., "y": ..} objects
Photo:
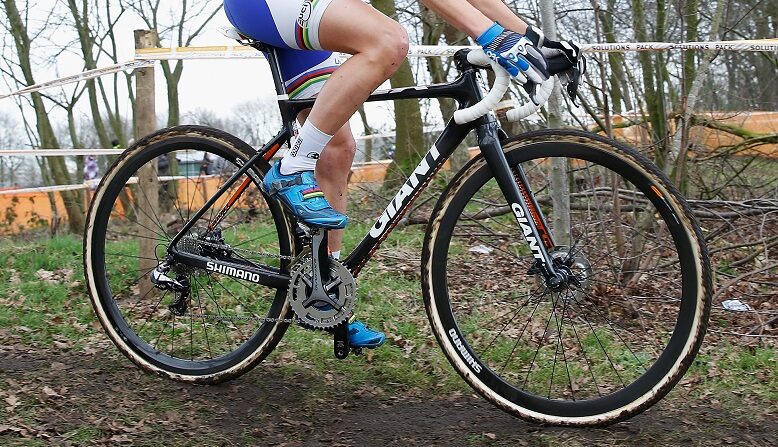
[
  {"x": 305, "y": 151},
  {"x": 335, "y": 255}
]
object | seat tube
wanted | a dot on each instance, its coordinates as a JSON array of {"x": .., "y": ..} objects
[{"x": 489, "y": 142}]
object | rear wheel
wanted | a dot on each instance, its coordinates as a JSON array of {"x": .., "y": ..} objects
[
  {"x": 620, "y": 336},
  {"x": 217, "y": 327}
]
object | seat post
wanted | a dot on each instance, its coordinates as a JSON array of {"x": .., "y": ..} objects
[{"x": 275, "y": 68}]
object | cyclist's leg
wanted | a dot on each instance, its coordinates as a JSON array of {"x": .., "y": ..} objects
[
  {"x": 332, "y": 172},
  {"x": 378, "y": 45}
]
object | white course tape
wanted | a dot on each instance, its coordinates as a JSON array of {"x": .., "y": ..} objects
[
  {"x": 126, "y": 66},
  {"x": 146, "y": 57},
  {"x": 223, "y": 52},
  {"x": 104, "y": 152},
  {"x": 58, "y": 152}
]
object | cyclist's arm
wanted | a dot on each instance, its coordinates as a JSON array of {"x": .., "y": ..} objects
[
  {"x": 462, "y": 15},
  {"x": 499, "y": 12}
]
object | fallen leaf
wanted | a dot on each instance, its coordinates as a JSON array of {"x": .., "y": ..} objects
[
  {"x": 12, "y": 400},
  {"x": 50, "y": 392}
]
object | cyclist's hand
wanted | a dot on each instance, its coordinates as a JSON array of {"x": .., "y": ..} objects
[
  {"x": 566, "y": 61},
  {"x": 516, "y": 53}
]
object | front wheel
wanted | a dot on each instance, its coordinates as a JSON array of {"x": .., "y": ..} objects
[
  {"x": 621, "y": 335},
  {"x": 213, "y": 327}
]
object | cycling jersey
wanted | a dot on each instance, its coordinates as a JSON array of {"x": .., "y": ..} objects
[{"x": 291, "y": 26}]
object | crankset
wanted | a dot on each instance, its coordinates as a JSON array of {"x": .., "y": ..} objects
[{"x": 322, "y": 291}]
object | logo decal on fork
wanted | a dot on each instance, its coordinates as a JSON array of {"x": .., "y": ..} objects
[{"x": 521, "y": 218}]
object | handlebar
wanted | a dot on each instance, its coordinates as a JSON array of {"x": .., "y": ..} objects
[{"x": 495, "y": 95}]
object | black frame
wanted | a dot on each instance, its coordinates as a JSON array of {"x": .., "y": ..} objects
[{"x": 467, "y": 92}]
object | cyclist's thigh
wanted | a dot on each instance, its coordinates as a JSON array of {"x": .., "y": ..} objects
[{"x": 304, "y": 72}]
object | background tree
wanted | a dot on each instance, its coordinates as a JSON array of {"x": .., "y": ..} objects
[
  {"x": 409, "y": 141},
  {"x": 183, "y": 24},
  {"x": 16, "y": 24}
]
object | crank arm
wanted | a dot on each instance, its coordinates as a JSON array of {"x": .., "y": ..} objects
[{"x": 320, "y": 269}]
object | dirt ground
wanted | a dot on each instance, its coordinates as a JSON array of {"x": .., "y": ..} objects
[{"x": 52, "y": 397}]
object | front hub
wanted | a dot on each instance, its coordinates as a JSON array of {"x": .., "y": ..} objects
[{"x": 573, "y": 274}]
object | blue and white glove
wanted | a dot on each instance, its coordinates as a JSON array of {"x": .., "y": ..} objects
[{"x": 517, "y": 53}]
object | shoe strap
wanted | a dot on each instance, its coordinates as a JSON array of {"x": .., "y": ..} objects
[{"x": 280, "y": 184}]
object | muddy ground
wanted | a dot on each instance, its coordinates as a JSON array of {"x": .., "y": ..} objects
[{"x": 52, "y": 397}]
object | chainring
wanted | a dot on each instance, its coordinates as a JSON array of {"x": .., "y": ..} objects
[{"x": 321, "y": 316}]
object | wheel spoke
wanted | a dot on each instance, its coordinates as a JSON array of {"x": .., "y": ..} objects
[
  {"x": 614, "y": 314},
  {"x": 210, "y": 315}
]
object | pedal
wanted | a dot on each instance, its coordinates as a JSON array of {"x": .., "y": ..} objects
[
  {"x": 356, "y": 351},
  {"x": 340, "y": 341}
]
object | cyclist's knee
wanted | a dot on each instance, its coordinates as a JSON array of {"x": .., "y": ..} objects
[
  {"x": 336, "y": 160},
  {"x": 390, "y": 48},
  {"x": 348, "y": 146}
]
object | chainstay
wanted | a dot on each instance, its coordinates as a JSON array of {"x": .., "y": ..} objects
[
  {"x": 238, "y": 317},
  {"x": 242, "y": 318},
  {"x": 247, "y": 251}
]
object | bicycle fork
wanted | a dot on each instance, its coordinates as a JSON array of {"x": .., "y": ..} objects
[{"x": 515, "y": 187}]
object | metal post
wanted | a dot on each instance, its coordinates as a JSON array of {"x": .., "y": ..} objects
[{"x": 147, "y": 195}]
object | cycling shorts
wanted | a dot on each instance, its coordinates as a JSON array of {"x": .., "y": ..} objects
[{"x": 292, "y": 26}]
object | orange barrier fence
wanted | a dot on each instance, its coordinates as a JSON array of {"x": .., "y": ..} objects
[{"x": 30, "y": 208}]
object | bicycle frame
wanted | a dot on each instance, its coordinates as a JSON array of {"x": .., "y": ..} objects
[{"x": 466, "y": 91}]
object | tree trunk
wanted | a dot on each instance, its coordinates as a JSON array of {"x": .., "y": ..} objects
[
  {"x": 148, "y": 184},
  {"x": 560, "y": 185},
  {"x": 368, "y": 152},
  {"x": 86, "y": 40},
  {"x": 618, "y": 86},
  {"x": 680, "y": 139},
  {"x": 654, "y": 100},
  {"x": 57, "y": 167},
  {"x": 409, "y": 140},
  {"x": 173, "y": 79}
]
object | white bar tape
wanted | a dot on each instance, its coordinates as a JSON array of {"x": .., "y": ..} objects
[
  {"x": 529, "y": 108},
  {"x": 501, "y": 83}
]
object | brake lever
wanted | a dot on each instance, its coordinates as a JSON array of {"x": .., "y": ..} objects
[{"x": 575, "y": 79}]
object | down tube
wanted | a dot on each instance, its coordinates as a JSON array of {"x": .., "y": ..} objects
[{"x": 444, "y": 146}]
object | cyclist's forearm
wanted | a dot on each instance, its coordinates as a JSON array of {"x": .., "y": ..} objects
[
  {"x": 498, "y": 11},
  {"x": 462, "y": 15}
]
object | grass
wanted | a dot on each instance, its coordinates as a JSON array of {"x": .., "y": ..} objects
[{"x": 56, "y": 313}]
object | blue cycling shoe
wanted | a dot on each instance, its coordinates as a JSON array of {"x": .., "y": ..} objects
[
  {"x": 361, "y": 336},
  {"x": 300, "y": 193}
]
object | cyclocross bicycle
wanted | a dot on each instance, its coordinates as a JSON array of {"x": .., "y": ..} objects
[{"x": 579, "y": 312}]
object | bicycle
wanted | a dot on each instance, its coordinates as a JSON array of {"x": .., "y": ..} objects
[{"x": 585, "y": 331}]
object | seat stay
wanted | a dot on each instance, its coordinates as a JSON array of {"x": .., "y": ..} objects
[{"x": 271, "y": 146}]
